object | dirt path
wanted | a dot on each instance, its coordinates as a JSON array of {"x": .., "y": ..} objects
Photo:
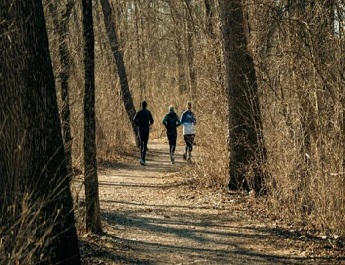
[{"x": 151, "y": 216}]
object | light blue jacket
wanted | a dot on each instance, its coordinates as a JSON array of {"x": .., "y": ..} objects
[{"x": 188, "y": 121}]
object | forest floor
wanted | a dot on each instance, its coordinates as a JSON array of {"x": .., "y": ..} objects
[{"x": 154, "y": 214}]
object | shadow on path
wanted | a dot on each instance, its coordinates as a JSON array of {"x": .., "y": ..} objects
[{"x": 149, "y": 220}]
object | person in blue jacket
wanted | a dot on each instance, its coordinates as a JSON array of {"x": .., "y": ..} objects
[
  {"x": 143, "y": 119},
  {"x": 188, "y": 121},
  {"x": 171, "y": 122}
]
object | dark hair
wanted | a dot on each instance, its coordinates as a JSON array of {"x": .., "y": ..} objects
[{"x": 144, "y": 104}]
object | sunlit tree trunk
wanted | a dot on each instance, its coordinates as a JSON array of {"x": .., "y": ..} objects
[
  {"x": 246, "y": 143},
  {"x": 180, "y": 67},
  {"x": 140, "y": 48},
  {"x": 93, "y": 218},
  {"x": 125, "y": 93},
  {"x": 178, "y": 41},
  {"x": 190, "y": 49},
  {"x": 37, "y": 220}
]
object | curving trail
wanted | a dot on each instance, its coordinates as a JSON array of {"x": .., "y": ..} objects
[{"x": 152, "y": 216}]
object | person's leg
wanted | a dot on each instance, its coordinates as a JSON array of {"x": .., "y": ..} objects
[
  {"x": 145, "y": 141},
  {"x": 174, "y": 140},
  {"x": 169, "y": 141},
  {"x": 190, "y": 141},
  {"x": 185, "y": 137},
  {"x": 143, "y": 146},
  {"x": 172, "y": 144},
  {"x": 141, "y": 141}
]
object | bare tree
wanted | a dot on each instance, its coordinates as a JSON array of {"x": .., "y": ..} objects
[
  {"x": 37, "y": 220},
  {"x": 209, "y": 6},
  {"x": 121, "y": 69},
  {"x": 190, "y": 48},
  {"x": 93, "y": 216},
  {"x": 177, "y": 26},
  {"x": 246, "y": 143},
  {"x": 61, "y": 27},
  {"x": 140, "y": 47}
]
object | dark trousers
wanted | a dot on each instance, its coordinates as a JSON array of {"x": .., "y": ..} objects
[
  {"x": 144, "y": 138},
  {"x": 189, "y": 140},
  {"x": 172, "y": 142}
]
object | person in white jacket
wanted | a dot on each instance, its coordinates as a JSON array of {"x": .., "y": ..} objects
[{"x": 188, "y": 121}]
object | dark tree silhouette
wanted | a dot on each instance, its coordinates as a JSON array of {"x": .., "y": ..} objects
[
  {"x": 246, "y": 143},
  {"x": 37, "y": 221},
  {"x": 93, "y": 218}
]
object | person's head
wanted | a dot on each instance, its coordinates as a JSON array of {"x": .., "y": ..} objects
[
  {"x": 144, "y": 104},
  {"x": 171, "y": 108},
  {"x": 189, "y": 105}
]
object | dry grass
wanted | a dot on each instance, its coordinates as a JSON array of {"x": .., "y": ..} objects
[{"x": 28, "y": 232}]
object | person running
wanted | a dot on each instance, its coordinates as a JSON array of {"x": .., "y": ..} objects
[
  {"x": 188, "y": 121},
  {"x": 171, "y": 122},
  {"x": 143, "y": 119}
]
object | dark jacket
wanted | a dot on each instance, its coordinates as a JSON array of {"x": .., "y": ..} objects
[
  {"x": 171, "y": 121},
  {"x": 143, "y": 119}
]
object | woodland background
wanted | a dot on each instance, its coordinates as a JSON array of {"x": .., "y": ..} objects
[{"x": 173, "y": 52}]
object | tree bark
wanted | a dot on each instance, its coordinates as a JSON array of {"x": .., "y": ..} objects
[
  {"x": 37, "y": 219},
  {"x": 179, "y": 47},
  {"x": 180, "y": 67},
  {"x": 246, "y": 143},
  {"x": 62, "y": 31},
  {"x": 209, "y": 6},
  {"x": 93, "y": 216},
  {"x": 190, "y": 50},
  {"x": 140, "y": 48},
  {"x": 121, "y": 69}
]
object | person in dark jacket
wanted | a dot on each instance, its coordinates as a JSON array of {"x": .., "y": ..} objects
[
  {"x": 171, "y": 122},
  {"x": 143, "y": 119}
]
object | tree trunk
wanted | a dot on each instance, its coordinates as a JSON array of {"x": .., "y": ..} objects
[
  {"x": 62, "y": 30},
  {"x": 180, "y": 49},
  {"x": 112, "y": 36},
  {"x": 209, "y": 6},
  {"x": 190, "y": 50},
  {"x": 343, "y": 130},
  {"x": 140, "y": 48},
  {"x": 37, "y": 220},
  {"x": 93, "y": 217},
  {"x": 64, "y": 76},
  {"x": 246, "y": 143},
  {"x": 182, "y": 86}
]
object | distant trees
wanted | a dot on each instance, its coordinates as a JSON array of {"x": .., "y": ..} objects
[
  {"x": 246, "y": 143},
  {"x": 37, "y": 220}
]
